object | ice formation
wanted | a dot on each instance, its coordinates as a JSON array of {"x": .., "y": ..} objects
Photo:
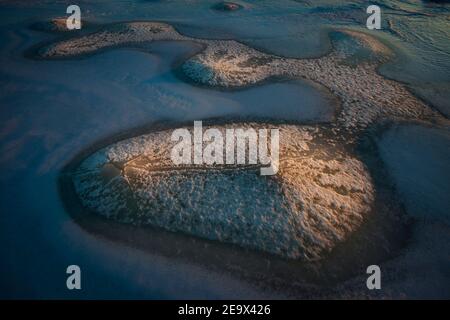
[
  {"x": 322, "y": 192},
  {"x": 366, "y": 96},
  {"x": 315, "y": 201}
]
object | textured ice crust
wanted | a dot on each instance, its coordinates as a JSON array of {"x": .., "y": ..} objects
[
  {"x": 365, "y": 95},
  {"x": 315, "y": 201}
]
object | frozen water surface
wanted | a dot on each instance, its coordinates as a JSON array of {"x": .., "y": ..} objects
[{"x": 51, "y": 110}]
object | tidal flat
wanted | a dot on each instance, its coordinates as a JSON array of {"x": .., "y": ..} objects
[
  {"x": 363, "y": 165},
  {"x": 307, "y": 223}
]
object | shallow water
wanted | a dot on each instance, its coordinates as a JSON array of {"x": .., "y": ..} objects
[
  {"x": 417, "y": 158},
  {"x": 51, "y": 110}
]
